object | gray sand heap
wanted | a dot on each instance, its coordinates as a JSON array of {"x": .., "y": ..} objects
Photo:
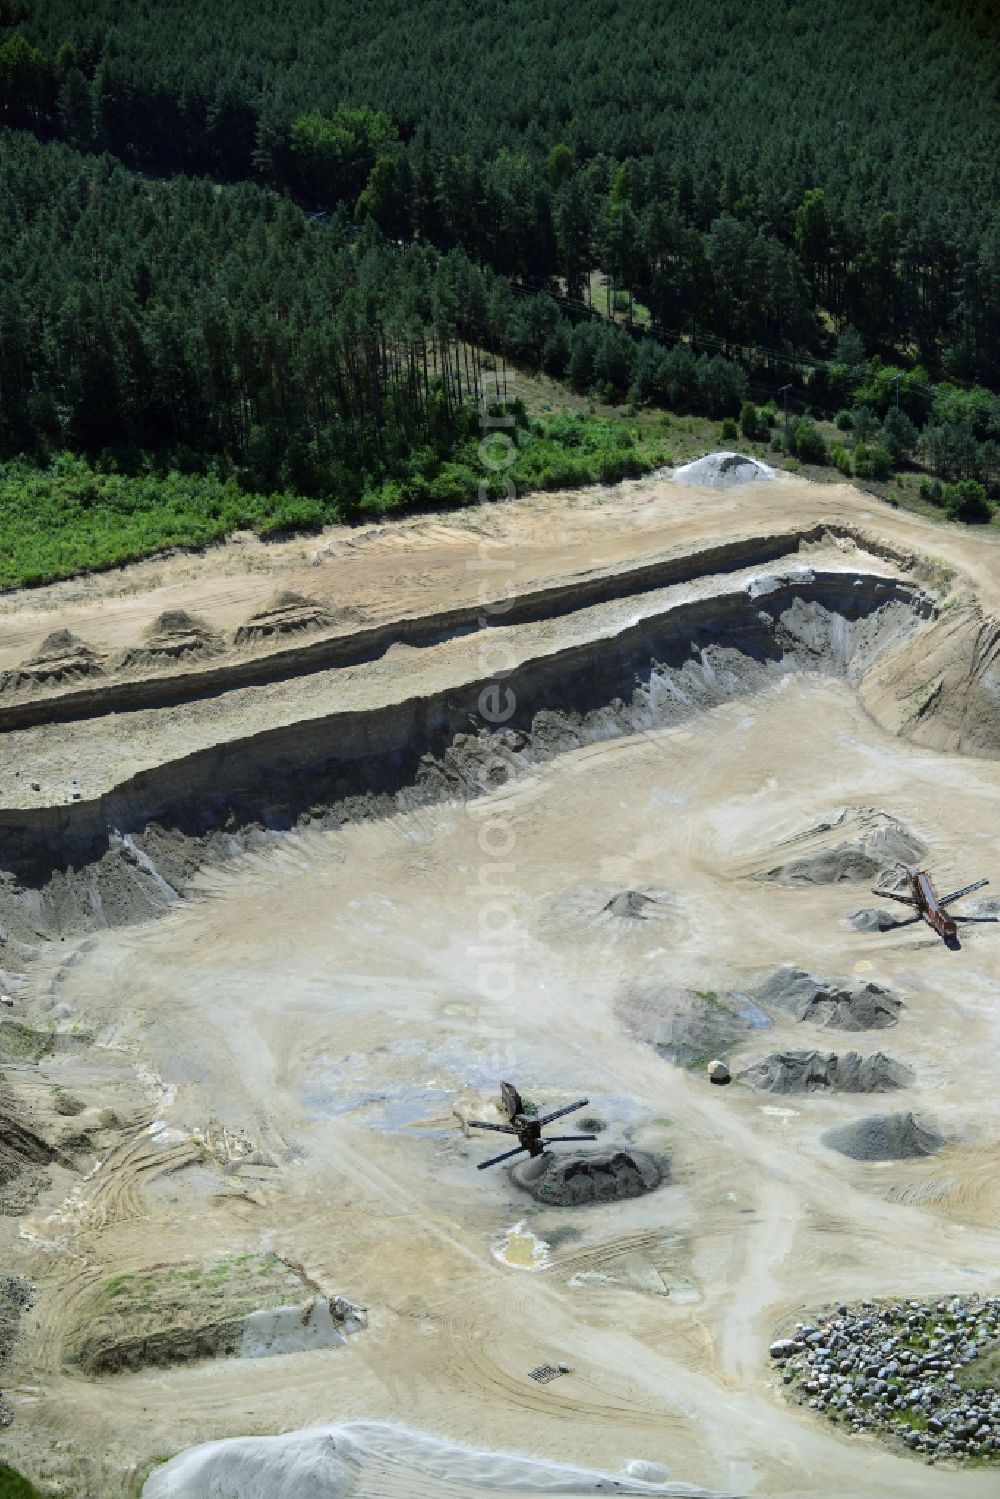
[
  {"x": 827, "y": 1002},
  {"x": 876, "y": 847},
  {"x": 884, "y": 1137},
  {"x": 604, "y": 1176},
  {"x": 630, "y": 904},
  {"x": 684, "y": 1025},
  {"x": 722, "y": 471},
  {"x": 876, "y": 919},
  {"x": 815, "y": 1071}
]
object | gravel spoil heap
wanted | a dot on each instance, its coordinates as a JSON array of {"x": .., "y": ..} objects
[
  {"x": 722, "y": 471},
  {"x": 895, "y": 1370}
]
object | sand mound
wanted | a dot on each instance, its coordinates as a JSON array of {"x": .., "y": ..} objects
[
  {"x": 862, "y": 1007},
  {"x": 722, "y": 470},
  {"x": 334, "y": 1462},
  {"x": 683, "y": 1025},
  {"x": 876, "y": 845},
  {"x": 630, "y": 904},
  {"x": 61, "y": 657},
  {"x": 604, "y": 910},
  {"x": 814, "y": 1071},
  {"x": 884, "y": 1137},
  {"x": 288, "y": 613},
  {"x": 604, "y": 1176},
  {"x": 174, "y": 634},
  {"x": 875, "y": 919}
]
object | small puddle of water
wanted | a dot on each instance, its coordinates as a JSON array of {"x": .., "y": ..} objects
[{"x": 521, "y": 1249}]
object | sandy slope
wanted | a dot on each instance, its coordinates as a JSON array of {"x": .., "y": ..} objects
[{"x": 332, "y": 998}]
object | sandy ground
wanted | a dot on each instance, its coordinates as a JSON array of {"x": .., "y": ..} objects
[{"x": 331, "y": 1001}]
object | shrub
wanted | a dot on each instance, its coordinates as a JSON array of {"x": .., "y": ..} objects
[
  {"x": 807, "y": 443},
  {"x": 864, "y": 423},
  {"x": 841, "y": 458},
  {"x": 881, "y": 460},
  {"x": 872, "y": 463},
  {"x": 750, "y": 422},
  {"x": 844, "y": 420},
  {"x": 899, "y": 434},
  {"x": 729, "y": 431},
  {"x": 930, "y": 489},
  {"x": 292, "y": 514},
  {"x": 966, "y": 500}
]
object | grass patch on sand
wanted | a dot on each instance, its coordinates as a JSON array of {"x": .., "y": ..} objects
[
  {"x": 983, "y": 1373},
  {"x": 22, "y": 1043},
  {"x": 170, "y": 1313}
]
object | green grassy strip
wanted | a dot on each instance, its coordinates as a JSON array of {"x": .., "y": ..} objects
[
  {"x": 13, "y": 1486},
  {"x": 71, "y": 518}
]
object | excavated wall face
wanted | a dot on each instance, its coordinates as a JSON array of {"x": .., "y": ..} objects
[{"x": 128, "y": 855}]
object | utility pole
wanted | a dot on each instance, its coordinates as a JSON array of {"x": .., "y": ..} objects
[
  {"x": 784, "y": 392},
  {"x": 897, "y": 379}
]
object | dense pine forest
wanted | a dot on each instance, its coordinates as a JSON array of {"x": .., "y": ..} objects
[{"x": 292, "y": 249}]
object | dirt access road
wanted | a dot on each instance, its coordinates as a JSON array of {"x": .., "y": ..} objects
[{"x": 275, "y": 1060}]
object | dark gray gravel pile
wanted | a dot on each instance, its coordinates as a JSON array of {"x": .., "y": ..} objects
[
  {"x": 829, "y": 1002},
  {"x": 817, "y": 1071},
  {"x": 896, "y": 1370},
  {"x": 884, "y": 1137}
]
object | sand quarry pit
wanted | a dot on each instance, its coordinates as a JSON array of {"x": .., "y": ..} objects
[{"x": 279, "y": 913}]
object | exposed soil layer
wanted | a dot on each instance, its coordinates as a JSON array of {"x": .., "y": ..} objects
[
  {"x": 600, "y": 1176},
  {"x": 658, "y": 672},
  {"x": 22, "y": 1153},
  {"x": 865, "y": 1006},
  {"x": 884, "y": 1137},
  {"x": 821, "y": 1071}
]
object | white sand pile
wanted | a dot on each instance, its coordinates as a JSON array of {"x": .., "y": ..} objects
[
  {"x": 328, "y": 1462},
  {"x": 721, "y": 470}
]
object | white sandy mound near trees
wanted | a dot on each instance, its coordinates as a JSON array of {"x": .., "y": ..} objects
[
  {"x": 329, "y": 1462},
  {"x": 721, "y": 470}
]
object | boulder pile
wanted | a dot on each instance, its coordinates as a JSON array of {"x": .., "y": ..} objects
[{"x": 897, "y": 1371}]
